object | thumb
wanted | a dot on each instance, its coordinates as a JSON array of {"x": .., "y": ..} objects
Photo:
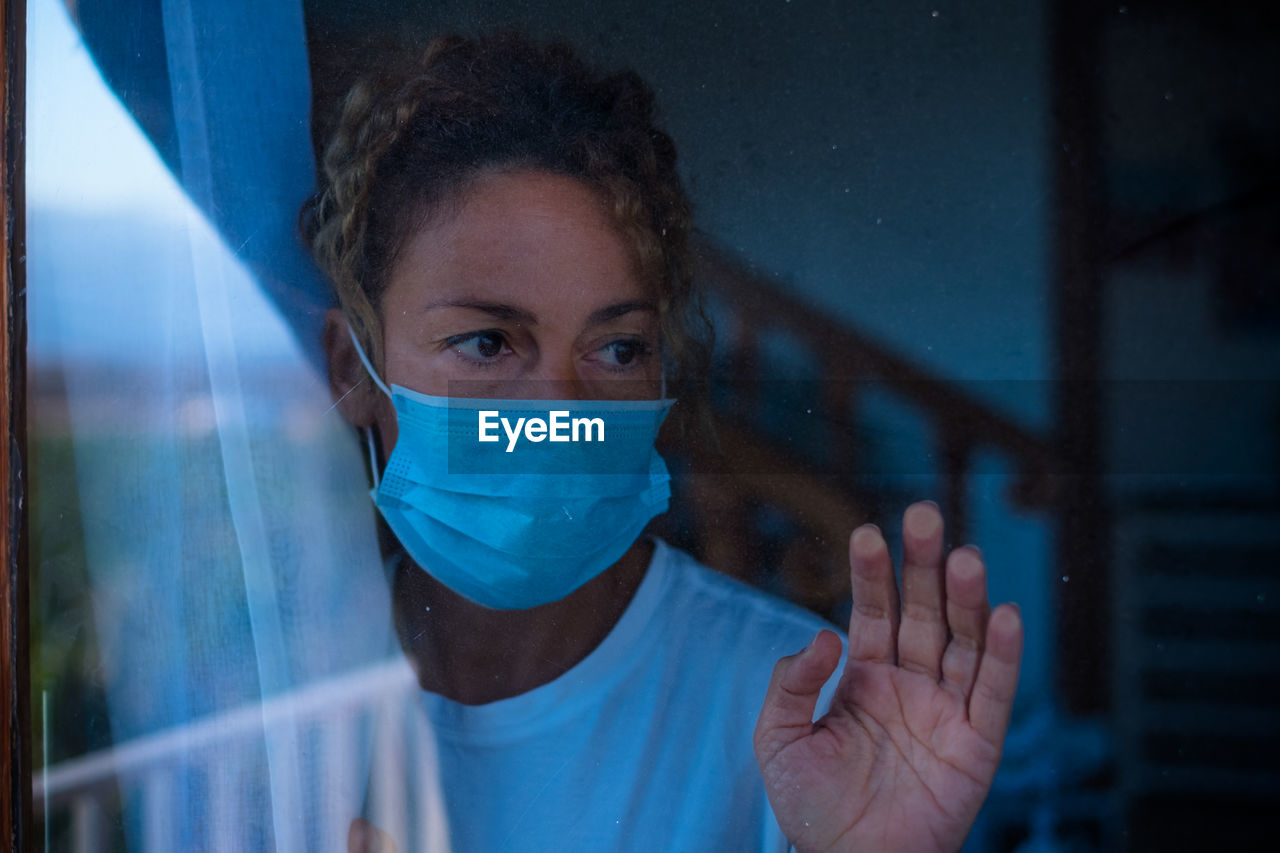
[
  {"x": 364, "y": 837},
  {"x": 797, "y": 680}
]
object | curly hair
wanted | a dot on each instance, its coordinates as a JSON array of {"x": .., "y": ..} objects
[{"x": 408, "y": 141}]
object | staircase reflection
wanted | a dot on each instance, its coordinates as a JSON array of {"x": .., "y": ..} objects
[{"x": 790, "y": 471}]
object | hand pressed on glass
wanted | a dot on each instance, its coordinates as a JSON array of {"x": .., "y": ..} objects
[{"x": 907, "y": 751}]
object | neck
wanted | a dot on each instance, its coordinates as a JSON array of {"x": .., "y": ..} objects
[{"x": 475, "y": 655}]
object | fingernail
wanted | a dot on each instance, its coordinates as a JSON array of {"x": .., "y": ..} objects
[
  {"x": 922, "y": 523},
  {"x": 966, "y": 569},
  {"x": 866, "y": 539}
]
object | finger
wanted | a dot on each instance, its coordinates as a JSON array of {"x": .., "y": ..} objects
[
  {"x": 873, "y": 624},
  {"x": 364, "y": 837},
  {"x": 967, "y": 612},
  {"x": 997, "y": 682},
  {"x": 787, "y": 714},
  {"x": 922, "y": 637}
]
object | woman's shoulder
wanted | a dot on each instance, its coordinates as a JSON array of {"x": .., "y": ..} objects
[
  {"x": 719, "y": 638},
  {"x": 698, "y": 595}
]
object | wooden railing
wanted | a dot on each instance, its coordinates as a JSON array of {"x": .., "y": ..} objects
[{"x": 819, "y": 493}]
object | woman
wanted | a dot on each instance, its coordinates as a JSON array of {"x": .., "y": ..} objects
[{"x": 507, "y": 235}]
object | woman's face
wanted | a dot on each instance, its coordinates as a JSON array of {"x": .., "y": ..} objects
[{"x": 525, "y": 289}]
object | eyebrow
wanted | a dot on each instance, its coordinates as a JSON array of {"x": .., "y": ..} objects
[
  {"x": 613, "y": 312},
  {"x": 498, "y": 310},
  {"x": 510, "y": 313}
]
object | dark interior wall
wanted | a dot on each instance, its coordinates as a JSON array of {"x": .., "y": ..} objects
[
  {"x": 1192, "y": 111},
  {"x": 1191, "y": 147}
]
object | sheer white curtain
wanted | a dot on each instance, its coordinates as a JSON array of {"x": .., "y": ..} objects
[{"x": 201, "y": 512}]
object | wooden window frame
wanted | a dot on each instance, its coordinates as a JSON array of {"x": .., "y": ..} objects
[{"x": 15, "y": 758}]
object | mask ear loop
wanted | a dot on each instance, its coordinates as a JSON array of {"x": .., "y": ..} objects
[
  {"x": 377, "y": 380},
  {"x": 373, "y": 456},
  {"x": 364, "y": 359}
]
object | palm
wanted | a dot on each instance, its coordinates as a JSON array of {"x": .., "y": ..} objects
[{"x": 907, "y": 751}]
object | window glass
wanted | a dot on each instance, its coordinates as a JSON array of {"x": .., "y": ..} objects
[
  {"x": 288, "y": 593},
  {"x": 188, "y": 478}
]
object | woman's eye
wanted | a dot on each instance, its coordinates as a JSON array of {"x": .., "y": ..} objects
[
  {"x": 625, "y": 353},
  {"x": 480, "y": 346}
]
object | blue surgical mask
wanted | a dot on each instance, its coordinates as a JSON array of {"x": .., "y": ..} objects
[{"x": 528, "y": 514}]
